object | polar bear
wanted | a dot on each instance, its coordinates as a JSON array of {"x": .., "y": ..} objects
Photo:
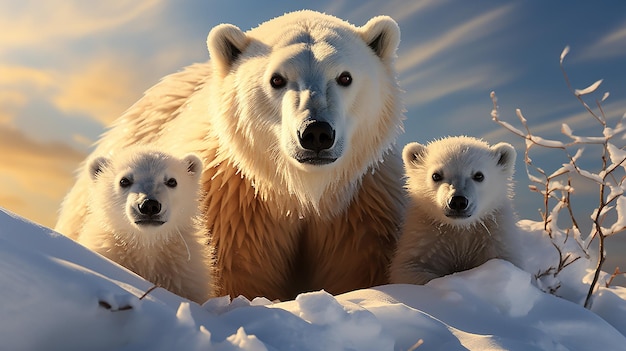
[
  {"x": 296, "y": 121},
  {"x": 460, "y": 211},
  {"x": 143, "y": 213}
]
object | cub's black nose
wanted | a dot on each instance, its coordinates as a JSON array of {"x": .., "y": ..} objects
[
  {"x": 458, "y": 203},
  {"x": 317, "y": 136},
  {"x": 150, "y": 207}
]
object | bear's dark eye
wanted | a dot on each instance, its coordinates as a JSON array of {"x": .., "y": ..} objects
[
  {"x": 344, "y": 79},
  {"x": 437, "y": 177},
  {"x": 277, "y": 81},
  {"x": 479, "y": 177},
  {"x": 172, "y": 183},
  {"x": 125, "y": 182}
]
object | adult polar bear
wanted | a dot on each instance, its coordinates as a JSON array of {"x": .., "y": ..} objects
[{"x": 296, "y": 122}]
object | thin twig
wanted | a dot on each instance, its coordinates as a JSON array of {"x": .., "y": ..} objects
[
  {"x": 616, "y": 272},
  {"x": 148, "y": 291},
  {"x": 551, "y": 187}
]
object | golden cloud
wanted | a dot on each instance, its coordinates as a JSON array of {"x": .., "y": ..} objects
[
  {"x": 102, "y": 90},
  {"x": 16, "y": 84},
  {"x": 29, "y": 23},
  {"x": 22, "y": 75},
  {"x": 35, "y": 176}
]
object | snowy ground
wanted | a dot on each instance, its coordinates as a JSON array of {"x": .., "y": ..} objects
[{"x": 57, "y": 295}]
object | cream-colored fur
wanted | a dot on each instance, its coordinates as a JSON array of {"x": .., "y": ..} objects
[
  {"x": 284, "y": 219},
  {"x": 143, "y": 213},
  {"x": 460, "y": 211}
]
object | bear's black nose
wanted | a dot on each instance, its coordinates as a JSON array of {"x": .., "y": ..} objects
[
  {"x": 458, "y": 203},
  {"x": 317, "y": 136},
  {"x": 150, "y": 207}
]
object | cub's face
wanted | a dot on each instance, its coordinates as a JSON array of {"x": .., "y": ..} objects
[
  {"x": 307, "y": 94},
  {"x": 145, "y": 191},
  {"x": 459, "y": 180}
]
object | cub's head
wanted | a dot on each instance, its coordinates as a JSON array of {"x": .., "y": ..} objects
[
  {"x": 307, "y": 100},
  {"x": 459, "y": 180},
  {"x": 144, "y": 191}
]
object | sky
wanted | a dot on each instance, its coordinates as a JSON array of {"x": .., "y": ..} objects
[{"x": 68, "y": 69}]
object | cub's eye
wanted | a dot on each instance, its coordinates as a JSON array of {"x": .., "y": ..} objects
[
  {"x": 172, "y": 183},
  {"x": 479, "y": 177},
  {"x": 125, "y": 182},
  {"x": 437, "y": 177},
  {"x": 344, "y": 79},
  {"x": 277, "y": 81}
]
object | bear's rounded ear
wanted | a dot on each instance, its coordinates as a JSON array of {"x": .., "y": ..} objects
[
  {"x": 96, "y": 166},
  {"x": 194, "y": 165},
  {"x": 225, "y": 43},
  {"x": 506, "y": 155},
  {"x": 382, "y": 34},
  {"x": 412, "y": 153}
]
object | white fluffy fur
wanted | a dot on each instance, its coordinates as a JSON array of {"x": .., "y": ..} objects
[
  {"x": 436, "y": 240},
  {"x": 174, "y": 254},
  {"x": 280, "y": 226},
  {"x": 262, "y": 140}
]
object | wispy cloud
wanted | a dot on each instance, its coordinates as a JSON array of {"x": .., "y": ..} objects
[
  {"x": 19, "y": 74},
  {"x": 611, "y": 45},
  {"x": 84, "y": 76},
  {"x": 29, "y": 23},
  {"x": 17, "y": 83},
  {"x": 469, "y": 31},
  {"x": 10, "y": 102},
  {"x": 398, "y": 10},
  {"x": 429, "y": 72},
  {"x": 102, "y": 89},
  {"x": 411, "y": 8},
  {"x": 441, "y": 81}
]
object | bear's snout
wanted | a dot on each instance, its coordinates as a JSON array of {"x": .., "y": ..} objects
[
  {"x": 150, "y": 207},
  {"x": 458, "y": 206},
  {"x": 316, "y": 136},
  {"x": 458, "y": 203}
]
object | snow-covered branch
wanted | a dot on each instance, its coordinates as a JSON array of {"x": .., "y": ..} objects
[{"x": 556, "y": 185}]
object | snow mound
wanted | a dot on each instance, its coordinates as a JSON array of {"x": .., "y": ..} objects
[{"x": 58, "y": 295}]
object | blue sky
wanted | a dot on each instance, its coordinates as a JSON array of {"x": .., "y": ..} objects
[{"x": 67, "y": 69}]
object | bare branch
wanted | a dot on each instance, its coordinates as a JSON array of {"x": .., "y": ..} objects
[
  {"x": 552, "y": 185},
  {"x": 616, "y": 272}
]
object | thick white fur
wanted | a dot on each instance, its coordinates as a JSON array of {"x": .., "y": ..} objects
[
  {"x": 173, "y": 255},
  {"x": 310, "y": 51},
  {"x": 434, "y": 244},
  {"x": 280, "y": 226}
]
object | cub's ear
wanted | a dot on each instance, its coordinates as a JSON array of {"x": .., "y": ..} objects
[
  {"x": 505, "y": 154},
  {"x": 413, "y": 153},
  {"x": 97, "y": 166},
  {"x": 382, "y": 34},
  {"x": 194, "y": 165},
  {"x": 225, "y": 43}
]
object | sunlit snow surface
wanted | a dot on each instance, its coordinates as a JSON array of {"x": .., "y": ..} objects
[{"x": 57, "y": 295}]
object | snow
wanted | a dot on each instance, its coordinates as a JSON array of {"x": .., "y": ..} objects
[
  {"x": 58, "y": 295},
  {"x": 564, "y": 53},
  {"x": 588, "y": 90}
]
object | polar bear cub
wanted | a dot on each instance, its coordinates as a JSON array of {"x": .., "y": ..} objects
[
  {"x": 460, "y": 210},
  {"x": 143, "y": 214}
]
